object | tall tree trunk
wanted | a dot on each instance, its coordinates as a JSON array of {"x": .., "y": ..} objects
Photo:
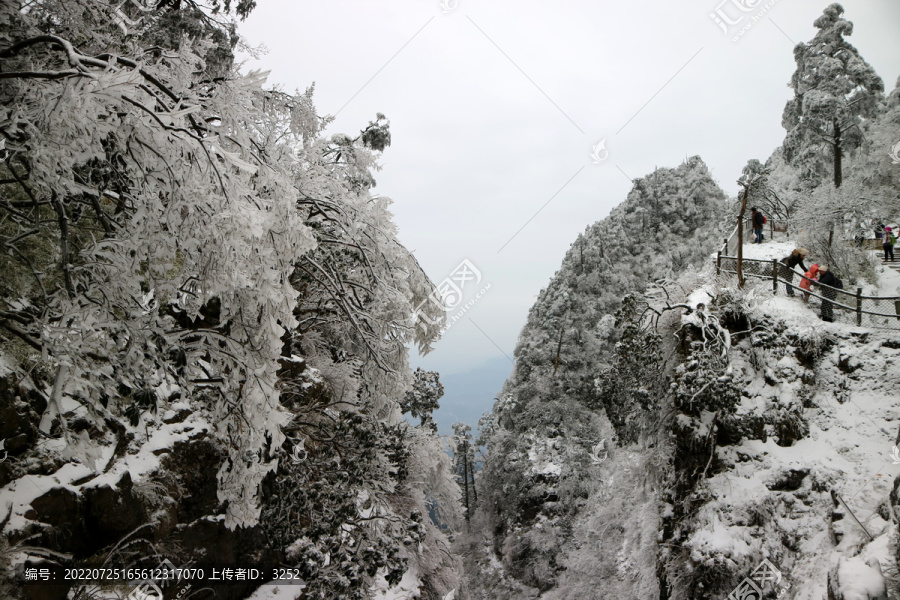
[
  {"x": 465, "y": 462},
  {"x": 740, "y": 228},
  {"x": 558, "y": 349},
  {"x": 838, "y": 167},
  {"x": 838, "y": 155},
  {"x": 474, "y": 489}
]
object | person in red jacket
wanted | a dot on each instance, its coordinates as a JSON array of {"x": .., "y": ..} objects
[{"x": 808, "y": 279}]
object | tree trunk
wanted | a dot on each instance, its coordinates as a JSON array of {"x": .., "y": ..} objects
[
  {"x": 838, "y": 155},
  {"x": 740, "y": 247},
  {"x": 465, "y": 462},
  {"x": 558, "y": 350},
  {"x": 474, "y": 489},
  {"x": 838, "y": 168}
]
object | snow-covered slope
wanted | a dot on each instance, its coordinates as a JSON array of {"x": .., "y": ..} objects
[
  {"x": 814, "y": 429},
  {"x": 781, "y": 475}
]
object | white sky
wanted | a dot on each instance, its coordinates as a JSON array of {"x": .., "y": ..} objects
[{"x": 495, "y": 106}]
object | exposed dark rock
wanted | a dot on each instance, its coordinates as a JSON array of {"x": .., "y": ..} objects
[
  {"x": 894, "y": 497},
  {"x": 848, "y": 363},
  {"x": 59, "y": 506},
  {"x": 85, "y": 479},
  {"x": 111, "y": 513},
  {"x": 788, "y": 481},
  {"x": 43, "y": 592},
  {"x": 62, "y": 509},
  {"x": 16, "y": 426},
  {"x": 16, "y": 443},
  {"x": 6, "y": 474},
  {"x": 195, "y": 464},
  {"x": 207, "y": 540},
  {"x": 178, "y": 417}
]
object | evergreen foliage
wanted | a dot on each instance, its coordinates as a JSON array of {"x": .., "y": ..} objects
[{"x": 178, "y": 232}]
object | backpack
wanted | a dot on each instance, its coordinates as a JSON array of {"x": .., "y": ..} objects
[
  {"x": 765, "y": 220},
  {"x": 890, "y": 239}
]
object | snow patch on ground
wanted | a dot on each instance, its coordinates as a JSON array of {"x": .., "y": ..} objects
[
  {"x": 769, "y": 250},
  {"x": 888, "y": 281},
  {"x": 407, "y": 589}
]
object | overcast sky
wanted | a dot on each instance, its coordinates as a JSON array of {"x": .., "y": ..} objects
[{"x": 496, "y": 107}]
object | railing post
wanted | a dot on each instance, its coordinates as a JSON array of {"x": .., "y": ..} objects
[
  {"x": 774, "y": 275},
  {"x": 718, "y": 263},
  {"x": 858, "y": 306}
]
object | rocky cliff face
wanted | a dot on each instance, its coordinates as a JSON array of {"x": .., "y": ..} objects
[
  {"x": 173, "y": 511},
  {"x": 560, "y": 483},
  {"x": 668, "y": 450}
]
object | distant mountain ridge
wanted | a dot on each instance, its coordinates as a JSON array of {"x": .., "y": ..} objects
[{"x": 469, "y": 394}]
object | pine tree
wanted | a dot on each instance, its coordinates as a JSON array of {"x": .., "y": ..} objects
[
  {"x": 835, "y": 90},
  {"x": 464, "y": 459},
  {"x": 422, "y": 399}
]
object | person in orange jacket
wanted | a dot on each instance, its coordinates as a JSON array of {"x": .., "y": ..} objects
[{"x": 808, "y": 278}]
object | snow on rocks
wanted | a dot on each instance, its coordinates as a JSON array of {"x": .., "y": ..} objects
[
  {"x": 856, "y": 579},
  {"x": 407, "y": 589},
  {"x": 698, "y": 297},
  {"x": 719, "y": 542},
  {"x": 780, "y": 492},
  {"x": 140, "y": 462},
  {"x": 544, "y": 457}
]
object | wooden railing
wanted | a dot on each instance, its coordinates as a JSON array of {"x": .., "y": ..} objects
[{"x": 874, "y": 311}]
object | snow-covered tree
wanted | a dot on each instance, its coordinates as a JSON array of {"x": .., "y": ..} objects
[
  {"x": 632, "y": 387},
  {"x": 422, "y": 398},
  {"x": 835, "y": 91},
  {"x": 464, "y": 465},
  {"x": 179, "y": 231},
  {"x": 774, "y": 197}
]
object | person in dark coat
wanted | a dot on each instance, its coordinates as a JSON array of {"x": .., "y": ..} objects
[
  {"x": 758, "y": 221},
  {"x": 795, "y": 259},
  {"x": 889, "y": 240},
  {"x": 829, "y": 285}
]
